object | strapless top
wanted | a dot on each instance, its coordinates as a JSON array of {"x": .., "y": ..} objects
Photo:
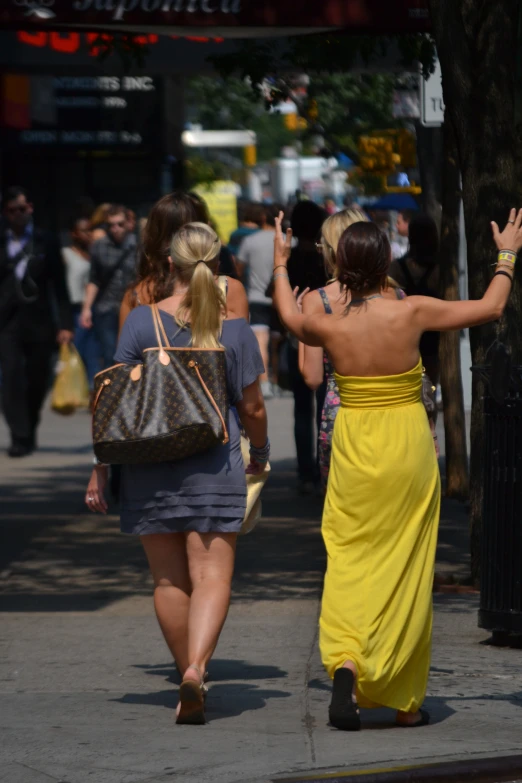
[{"x": 387, "y": 391}]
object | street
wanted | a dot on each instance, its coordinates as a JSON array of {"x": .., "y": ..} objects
[{"x": 89, "y": 690}]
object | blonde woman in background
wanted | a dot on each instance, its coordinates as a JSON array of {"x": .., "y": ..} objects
[
  {"x": 314, "y": 364},
  {"x": 188, "y": 513}
]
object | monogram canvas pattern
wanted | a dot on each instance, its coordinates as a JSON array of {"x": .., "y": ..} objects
[{"x": 165, "y": 414}]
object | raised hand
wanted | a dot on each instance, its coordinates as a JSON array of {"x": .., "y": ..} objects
[
  {"x": 299, "y": 298},
  {"x": 282, "y": 244},
  {"x": 511, "y": 237}
]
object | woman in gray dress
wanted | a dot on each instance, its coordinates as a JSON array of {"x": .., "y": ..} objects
[{"x": 188, "y": 513}]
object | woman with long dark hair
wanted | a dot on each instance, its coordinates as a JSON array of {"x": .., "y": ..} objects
[
  {"x": 153, "y": 278},
  {"x": 382, "y": 504}
]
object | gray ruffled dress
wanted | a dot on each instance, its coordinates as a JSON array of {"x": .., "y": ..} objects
[{"x": 206, "y": 492}]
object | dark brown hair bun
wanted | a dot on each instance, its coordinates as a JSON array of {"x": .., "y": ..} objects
[{"x": 363, "y": 257}]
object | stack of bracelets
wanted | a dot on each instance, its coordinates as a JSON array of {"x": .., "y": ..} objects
[
  {"x": 262, "y": 454},
  {"x": 506, "y": 260}
]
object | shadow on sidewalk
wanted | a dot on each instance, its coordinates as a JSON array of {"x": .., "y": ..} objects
[
  {"x": 59, "y": 558},
  {"x": 227, "y": 698}
]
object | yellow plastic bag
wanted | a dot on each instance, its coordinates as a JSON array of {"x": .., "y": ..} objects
[{"x": 71, "y": 387}]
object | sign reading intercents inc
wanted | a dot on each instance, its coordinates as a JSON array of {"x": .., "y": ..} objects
[{"x": 235, "y": 16}]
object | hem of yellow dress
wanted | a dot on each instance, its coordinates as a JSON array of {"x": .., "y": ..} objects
[{"x": 368, "y": 704}]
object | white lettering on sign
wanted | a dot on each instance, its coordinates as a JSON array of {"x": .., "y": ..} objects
[
  {"x": 432, "y": 101},
  {"x": 87, "y": 83},
  {"x": 120, "y": 8},
  {"x": 114, "y": 102},
  {"x": 38, "y": 137},
  {"x": 137, "y": 83}
]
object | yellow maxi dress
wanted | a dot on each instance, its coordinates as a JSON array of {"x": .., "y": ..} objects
[{"x": 380, "y": 525}]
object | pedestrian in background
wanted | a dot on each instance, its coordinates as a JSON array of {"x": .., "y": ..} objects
[
  {"x": 382, "y": 506},
  {"x": 77, "y": 260},
  {"x": 306, "y": 270},
  {"x": 188, "y": 513},
  {"x": 255, "y": 258},
  {"x": 250, "y": 218},
  {"x": 402, "y": 227},
  {"x": 113, "y": 266},
  {"x": 153, "y": 278},
  {"x": 35, "y": 313},
  {"x": 99, "y": 221}
]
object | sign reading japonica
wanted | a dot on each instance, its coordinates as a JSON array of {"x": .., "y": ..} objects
[{"x": 232, "y": 15}]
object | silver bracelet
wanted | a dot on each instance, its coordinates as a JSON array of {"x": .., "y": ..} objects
[{"x": 281, "y": 274}]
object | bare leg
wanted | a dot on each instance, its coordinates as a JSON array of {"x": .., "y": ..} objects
[
  {"x": 275, "y": 340},
  {"x": 166, "y": 553},
  {"x": 263, "y": 339},
  {"x": 211, "y": 566}
]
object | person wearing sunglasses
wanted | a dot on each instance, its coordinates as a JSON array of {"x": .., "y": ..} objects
[
  {"x": 113, "y": 267},
  {"x": 35, "y": 312}
]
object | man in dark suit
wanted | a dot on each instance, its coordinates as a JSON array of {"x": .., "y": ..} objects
[{"x": 35, "y": 313}]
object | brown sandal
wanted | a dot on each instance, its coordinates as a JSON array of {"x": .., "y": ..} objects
[{"x": 192, "y": 701}]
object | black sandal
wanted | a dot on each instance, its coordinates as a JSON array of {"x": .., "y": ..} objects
[
  {"x": 424, "y": 720},
  {"x": 344, "y": 712}
]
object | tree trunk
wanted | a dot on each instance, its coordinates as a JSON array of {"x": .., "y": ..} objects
[
  {"x": 457, "y": 476},
  {"x": 476, "y": 43}
]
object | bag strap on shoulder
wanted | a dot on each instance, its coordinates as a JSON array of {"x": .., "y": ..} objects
[{"x": 161, "y": 335}]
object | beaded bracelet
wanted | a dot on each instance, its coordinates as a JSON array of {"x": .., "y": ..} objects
[{"x": 262, "y": 454}]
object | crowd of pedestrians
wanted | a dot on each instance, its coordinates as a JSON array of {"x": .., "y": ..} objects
[{"x": 323, "y": 305}]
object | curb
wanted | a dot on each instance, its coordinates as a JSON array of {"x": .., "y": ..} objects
[{"x": 485, "y": 770}]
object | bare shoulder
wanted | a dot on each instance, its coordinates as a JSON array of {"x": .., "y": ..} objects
[
  {"x": 237, "y": 302},
  {"x": 319, "y": 323},
  {"x": 312, "y": 303},
  {"x": 235, "y": 286}
]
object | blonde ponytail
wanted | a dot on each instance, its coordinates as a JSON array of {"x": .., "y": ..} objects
[{"x": 195, "y": 247}]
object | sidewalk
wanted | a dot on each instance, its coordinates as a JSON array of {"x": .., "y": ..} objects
[{"x": 87, "y": 685}]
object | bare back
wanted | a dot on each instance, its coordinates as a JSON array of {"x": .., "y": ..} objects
[{"x": 377, "y": 337}]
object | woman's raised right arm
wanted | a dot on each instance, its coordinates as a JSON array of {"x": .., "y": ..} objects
[{"x": 438, "y": 315}]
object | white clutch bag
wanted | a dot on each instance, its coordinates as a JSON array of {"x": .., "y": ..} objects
[{"x": 254, "y": 486}]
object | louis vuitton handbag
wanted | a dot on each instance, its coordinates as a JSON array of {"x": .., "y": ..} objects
[{"x": 171, "y": 406}]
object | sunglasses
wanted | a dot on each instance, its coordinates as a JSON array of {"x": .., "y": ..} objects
[{"x": 119, "y": 224}]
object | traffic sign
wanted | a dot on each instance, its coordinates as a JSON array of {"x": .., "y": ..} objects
[{"x": 432, "y": 101}]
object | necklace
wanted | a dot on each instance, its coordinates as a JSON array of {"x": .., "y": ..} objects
[{"x": 366, "y": 299}]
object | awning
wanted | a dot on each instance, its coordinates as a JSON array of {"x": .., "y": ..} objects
[
  {"x": 225, "y": 18},
  {"x": 395, "y": 201}
]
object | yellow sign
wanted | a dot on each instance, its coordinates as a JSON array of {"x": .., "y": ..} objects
[{"x": 220, "y": 198}]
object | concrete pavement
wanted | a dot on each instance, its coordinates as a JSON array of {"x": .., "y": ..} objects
[{"x": 87, "y": 686}]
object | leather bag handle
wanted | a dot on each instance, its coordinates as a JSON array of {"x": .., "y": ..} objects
[{"x": 160, "y": 333}]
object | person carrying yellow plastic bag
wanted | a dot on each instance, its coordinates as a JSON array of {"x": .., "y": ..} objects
[{"x": 71, "y": 388}]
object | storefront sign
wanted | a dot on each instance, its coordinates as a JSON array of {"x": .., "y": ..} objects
[
  {"x": 234, "y": 17},
  {"x": 91, "y": 112}
]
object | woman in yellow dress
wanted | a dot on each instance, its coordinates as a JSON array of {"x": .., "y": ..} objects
[{"x": 381, "y": 511}]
